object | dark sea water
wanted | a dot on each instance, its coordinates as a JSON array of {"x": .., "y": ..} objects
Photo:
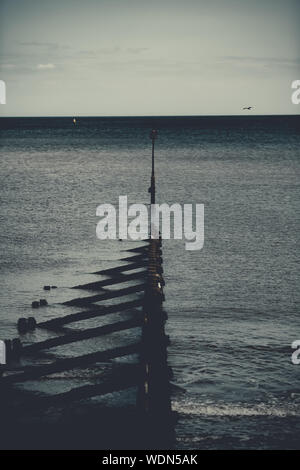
[{"x": 233, "y": 306}]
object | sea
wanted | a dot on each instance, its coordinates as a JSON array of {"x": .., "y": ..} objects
[{"x": 233, "y": 306}]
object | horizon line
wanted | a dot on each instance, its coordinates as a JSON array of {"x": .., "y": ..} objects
[{"x": 146, "y": 115}]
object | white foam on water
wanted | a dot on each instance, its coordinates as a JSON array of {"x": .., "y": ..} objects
[{"x": 263, "y": 409}]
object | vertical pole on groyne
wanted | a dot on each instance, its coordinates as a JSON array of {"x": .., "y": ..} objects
[
  {"x": 153, "y": 136},
  {"x": 154, "y": 398}
]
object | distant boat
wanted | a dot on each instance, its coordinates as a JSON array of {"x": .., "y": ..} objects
[{"x": 74, "y": 121}]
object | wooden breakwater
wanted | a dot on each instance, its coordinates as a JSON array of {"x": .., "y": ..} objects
[{"x": 150, "y": 424}]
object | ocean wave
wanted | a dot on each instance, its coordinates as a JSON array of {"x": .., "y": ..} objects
[{"x": 263, "y": 409}]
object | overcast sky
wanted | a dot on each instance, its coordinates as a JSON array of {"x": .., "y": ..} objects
[{"x": 154, "y": 57}]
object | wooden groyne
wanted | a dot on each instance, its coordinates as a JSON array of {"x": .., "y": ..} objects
[
  {"x": 88, "y": 314},
  {"x": 153, "y": 419}
]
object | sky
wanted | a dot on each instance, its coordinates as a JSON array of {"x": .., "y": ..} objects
[{"x": 158, "y": 57}]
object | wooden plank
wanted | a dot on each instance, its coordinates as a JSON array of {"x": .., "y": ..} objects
[
  {"x": 35, "y": 372},
  {"x": 106, "y": 296},
  {"x": 136, "y": 258},
  {"x": 121, "y": 379},
  {"x": 120, "y": 269},
  {"x": 138, "y": 249},
  {"x": 82, "y": 335},
  {"x": 107, "y": 282},
  {"x": 87, "y": 314}
]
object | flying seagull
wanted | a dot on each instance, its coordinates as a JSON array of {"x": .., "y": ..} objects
[{"x": 248, "y": 108}]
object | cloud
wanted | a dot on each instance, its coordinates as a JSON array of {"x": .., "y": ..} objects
[
  {"x": 45, "y": 66},
  {"x": 7, "y": 66},
  {"x": 37, "y": 44},
  {"x": 102, "y": 51},
  {"x": 137, "y": 50},
  {"x": 112, "y": 51},
  {"x": 263, "y": 61},
  {"x": 25, "y": 68}
]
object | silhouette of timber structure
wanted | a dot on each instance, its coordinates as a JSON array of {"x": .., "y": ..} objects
[{"x": 152, "y": 420}]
